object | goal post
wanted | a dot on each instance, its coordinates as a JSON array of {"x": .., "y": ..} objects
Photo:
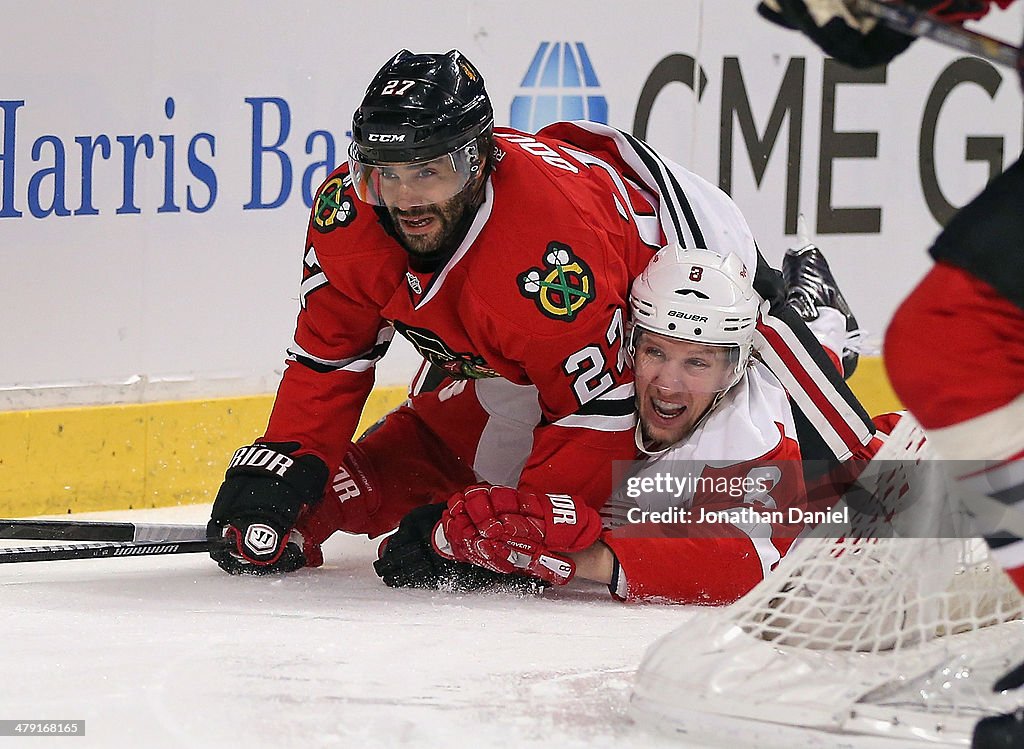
[{"x": 886, "y": 632}]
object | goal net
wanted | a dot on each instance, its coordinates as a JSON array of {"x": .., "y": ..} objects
[{"x": 885, "y": 632}]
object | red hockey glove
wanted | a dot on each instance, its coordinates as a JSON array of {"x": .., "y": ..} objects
[{"x": 510, "y": 531}]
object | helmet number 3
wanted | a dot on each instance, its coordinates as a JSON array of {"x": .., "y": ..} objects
[
  {"x": 696, "y": 272},
  {"x": 397, "y": 87}
]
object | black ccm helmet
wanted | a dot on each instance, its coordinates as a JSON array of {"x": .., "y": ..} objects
[{"x": 416, "y": 109}]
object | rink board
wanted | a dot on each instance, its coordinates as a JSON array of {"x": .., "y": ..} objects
[
  {"x": 55, "y": 461},
  {"x": 145, "y": 455}
]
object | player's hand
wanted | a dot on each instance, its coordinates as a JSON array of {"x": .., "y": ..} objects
[
  {"x": 264, "y": 489},
  {"x": 855, "y": 39},
  {"x": 408, "y": 559},
  {"x": 824, "y": 12},
  {"x": 795, "y": 13},
  {"x": 512, "y": 531}
]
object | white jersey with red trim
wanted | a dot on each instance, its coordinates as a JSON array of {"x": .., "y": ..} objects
[
  {"x": 706, "y": 521},
  {"x": 695, "y": 214}
]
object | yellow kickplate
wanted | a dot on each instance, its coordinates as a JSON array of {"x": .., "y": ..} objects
[
  {"x": 55, "y": 461},
  {"x": 871, "y": 385}
]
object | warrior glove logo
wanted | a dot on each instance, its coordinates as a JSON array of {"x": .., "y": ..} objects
[
  {"x": 563, "y": 287},
  {"x": 334, "y": 206},
  {"x": 260, "y": 538}
]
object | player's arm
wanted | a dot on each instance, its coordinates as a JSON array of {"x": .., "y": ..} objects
[
  {"x": 339, "y": 336},
  {"x": 726, "y": 543},
  {"x": 597, "y": 562},
  {"x": 857, "y": 39}
]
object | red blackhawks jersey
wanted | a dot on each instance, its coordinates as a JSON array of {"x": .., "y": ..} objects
[
  {"x": 536, "y": 294},
  {"x": 706, "y": 521}
]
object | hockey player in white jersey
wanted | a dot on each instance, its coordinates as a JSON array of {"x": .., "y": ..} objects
[{"x": 714, "y": 423}]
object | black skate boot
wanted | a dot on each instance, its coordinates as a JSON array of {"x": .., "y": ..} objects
[
  {"x": 999, "y": 732},
  {"x": 809, "y": 285},
  {"x": 1002, "y": 731}
]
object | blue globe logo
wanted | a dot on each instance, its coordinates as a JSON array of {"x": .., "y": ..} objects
[{"x": 559, "y": 85}]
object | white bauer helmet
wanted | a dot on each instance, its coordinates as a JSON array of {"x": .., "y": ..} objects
[{"x": 697, "y": 296}]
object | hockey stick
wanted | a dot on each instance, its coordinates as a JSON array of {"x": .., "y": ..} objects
[
  {"x": 899, "y": 16},
  {"x": 84, "y": 530},
  {"x": 103, "y": 551}
]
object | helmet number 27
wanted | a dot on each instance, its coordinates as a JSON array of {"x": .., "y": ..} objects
[{"x": 397, "y": 86}]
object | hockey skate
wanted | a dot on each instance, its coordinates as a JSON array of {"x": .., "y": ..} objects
[
  {"x": 1007, "y": 730},
  {"x": 809, "y": 285}
]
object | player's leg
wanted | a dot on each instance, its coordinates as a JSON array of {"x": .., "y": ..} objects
[
  {"x": 451, "y": 435},
  {"x": 398, "y": 465},
  {"x": 955, "y": 356},
  {"x": 969, "y": 394},
  {"x": 813, "y": 293},
  {"x": 487, "y": 423},
  {"x": 831, "y": 423}
]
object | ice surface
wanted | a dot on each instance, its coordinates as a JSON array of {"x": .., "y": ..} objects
[{"x": 171, "y": 652}]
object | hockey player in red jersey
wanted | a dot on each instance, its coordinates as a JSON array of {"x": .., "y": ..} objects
[
  {"x": 955, "y": 348},
  {"x": 506, "y": 259},
  {"x": 497, "y": 257}
]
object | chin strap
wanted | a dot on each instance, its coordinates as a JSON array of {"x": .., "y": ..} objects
[{"x": 638, "y": 439}]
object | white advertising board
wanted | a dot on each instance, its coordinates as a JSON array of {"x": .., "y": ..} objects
[{"x": 157, "y": 160}]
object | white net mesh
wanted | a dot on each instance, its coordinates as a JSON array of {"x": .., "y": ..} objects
[{"x": 893, "y": 633}]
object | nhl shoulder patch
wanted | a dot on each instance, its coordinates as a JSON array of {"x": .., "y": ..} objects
[{"x": 562, "y": 287}]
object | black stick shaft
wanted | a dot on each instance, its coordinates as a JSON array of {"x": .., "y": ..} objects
[
  {"x": 101, "y": 551},
  {"x": 84, "y": 530},
  {"x": 908, "y": 20}
]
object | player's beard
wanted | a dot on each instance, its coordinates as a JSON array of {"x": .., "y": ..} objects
[
  {"x": 450, "y": 222},
  {"x": 659, "y": 431}
]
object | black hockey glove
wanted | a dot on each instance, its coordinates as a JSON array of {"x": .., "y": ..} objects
[
  {"x": 408, "y": 560},
  {"x": 858, "y": 41},
  {"x": 264, "y": 489}
]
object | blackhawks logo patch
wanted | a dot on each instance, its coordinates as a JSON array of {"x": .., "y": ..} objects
[
  {"x": 334, "y": 206},
  {"x": 563, "y": 287}
]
